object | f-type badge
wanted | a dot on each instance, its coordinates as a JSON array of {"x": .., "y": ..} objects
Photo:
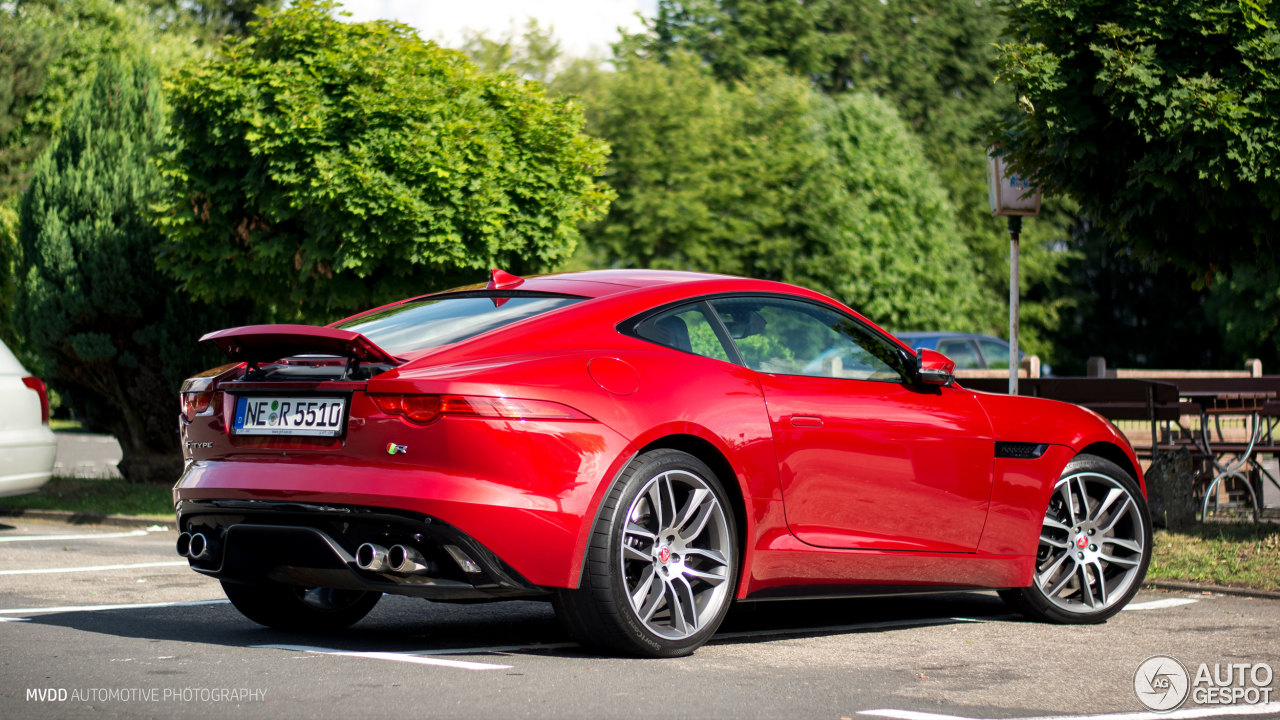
[{"x": 394, "y": 449}]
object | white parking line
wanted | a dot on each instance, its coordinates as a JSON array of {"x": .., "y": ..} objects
[
  {"x": 407, "y": 657},
  {"x": 85, "y": 536},
  {"x": 95, "y": 568},
  {"x": 1160, "y": 604},
  {"x": 97, "y": 608},
  {"x": 1185, "y": 714}
]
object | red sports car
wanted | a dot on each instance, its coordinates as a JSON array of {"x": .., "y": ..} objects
[{"x": 642, "y": 448}]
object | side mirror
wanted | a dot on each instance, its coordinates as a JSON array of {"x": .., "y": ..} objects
[{"x": 934, "y": 368}]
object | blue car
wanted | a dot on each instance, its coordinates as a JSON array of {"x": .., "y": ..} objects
[{"x": 969, "y": 351}]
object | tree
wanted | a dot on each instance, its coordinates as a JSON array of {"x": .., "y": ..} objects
[
  {"x": 768, "y": 179},
  {"x": 1133, "y": 312},
  {"x": 319, "y": 167},
  {"x": 214, "y": 18},
  {"x": 935, "y": 61},
  {"x": 1161, "y": 118},
  {"x": 115, "y": 336},
  {"x": 49, "y": 51},
  {"x": 1245, "y": 306},
  {"x": 535, "y": 55}
]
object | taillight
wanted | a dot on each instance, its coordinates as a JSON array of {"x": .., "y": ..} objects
[
  {"x": 424, "y": 409},
  {"x": 38, "y": 385},
  {"x": 194, "y": 403}
]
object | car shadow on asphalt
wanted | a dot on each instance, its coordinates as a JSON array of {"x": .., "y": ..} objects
[{"x": 408, "y": 625}]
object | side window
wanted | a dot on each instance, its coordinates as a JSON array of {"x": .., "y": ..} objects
[
  {"x": 997, "y": 354},
  {"x": 685, "y": 328},
  {"x": 962, "y": 352},
  {"x": 790, "y": 337}
]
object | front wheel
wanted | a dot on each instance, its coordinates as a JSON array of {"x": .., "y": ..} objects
[
  {"x": 1095, "y": 545},
  {"x": 298, "y": 609},
  {"x": 662, "y": 562}
]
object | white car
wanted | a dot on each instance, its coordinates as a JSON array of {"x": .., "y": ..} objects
[{"x": 27, "y": 446}]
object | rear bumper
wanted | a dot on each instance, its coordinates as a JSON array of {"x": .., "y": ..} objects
[
  {"x": 314, "y": 545},
  {"x": 527, "y": 498},
  {"x": 26, "y": 459}
]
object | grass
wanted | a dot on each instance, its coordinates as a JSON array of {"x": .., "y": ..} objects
[
  {"x": 59, "y": 425},
  {"x": 1246, "y": 556},
  {"x": 100, "y": 497}
]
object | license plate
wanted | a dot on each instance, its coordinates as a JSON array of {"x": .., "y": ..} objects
[{"x": 314, "y": 416}]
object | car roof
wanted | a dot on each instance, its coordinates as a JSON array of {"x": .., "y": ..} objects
[{"x": 598, "y": 283}]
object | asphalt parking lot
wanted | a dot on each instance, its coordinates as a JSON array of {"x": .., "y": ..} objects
[{"x": 109, "y": 621}]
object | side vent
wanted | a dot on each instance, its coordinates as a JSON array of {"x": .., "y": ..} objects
[{"x": 1020, "y": 450}]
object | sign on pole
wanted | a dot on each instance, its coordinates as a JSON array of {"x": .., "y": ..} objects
[
  {"x": 1009, "y": 193},
  {"x": 1015, "y": 197}
]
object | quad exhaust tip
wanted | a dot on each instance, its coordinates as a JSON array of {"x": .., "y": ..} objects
[
  {"x": 195, "y": 546},
  {"x": 408, "y": 561},
  {"x": 199, "y": 547},
  {"x": 372, "y": 558}
]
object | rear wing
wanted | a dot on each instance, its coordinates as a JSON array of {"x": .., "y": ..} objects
[{"x": 256, "y": 344}]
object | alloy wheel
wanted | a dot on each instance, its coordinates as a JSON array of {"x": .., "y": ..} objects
[
  {"x": 1092, "y": 544},
  {"x": 674, "y": 555}
]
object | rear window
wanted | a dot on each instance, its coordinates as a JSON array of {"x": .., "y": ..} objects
[{"x": 422, "y": 324}]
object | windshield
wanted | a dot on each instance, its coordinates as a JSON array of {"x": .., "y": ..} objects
[{"x": 421, "y": 324}]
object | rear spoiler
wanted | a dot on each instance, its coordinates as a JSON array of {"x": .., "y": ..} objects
[{"x": 254, "y": 344}]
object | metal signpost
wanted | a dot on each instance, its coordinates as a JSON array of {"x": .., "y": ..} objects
[{"x": 1014, "y": 197}]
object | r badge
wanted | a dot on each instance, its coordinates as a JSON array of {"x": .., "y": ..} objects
[{"x": 394, "y": 449}]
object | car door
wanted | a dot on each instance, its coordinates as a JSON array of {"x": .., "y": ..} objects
[{"x": 867, "y": 458}]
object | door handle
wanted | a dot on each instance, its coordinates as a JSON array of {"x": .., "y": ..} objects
[{"x": 810, "y": 421}]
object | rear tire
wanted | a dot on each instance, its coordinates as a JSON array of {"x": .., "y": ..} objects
[
  {"x": 298, "y": 609},
  {"x": 662, "y": 562},
  {"x": 1095, "y": 545}
]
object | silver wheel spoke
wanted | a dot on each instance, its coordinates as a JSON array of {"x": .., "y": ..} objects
[
  {"x": 1115, "y": 494},
  {"x": 641, "y": 532},
  {"x": 1102, "y": 582},
  {"x": 654, "y": 497},
  {"x": 688, "y": 602},
  {"x": 1071, "y": 503},
  {"x": 713, "y": 577},
  {"x": 1126, "y": 562},
  {"x": 711, "y": 555},
  {"x": 1057, "y": 564},
  {"x": 633, "y": 553},
  {"x": 642, "y": 589},
  {"x": 1126, "y": 544},
  {"x": 675, "y": 605},
  {"x": 1051, "y": 523},
  {"x": 1066, "y": 579},
  {"x": 669, "y": 503},
  {"x": 1055, "y": 543},
  {"x": 1124, "y": 510},
  {"x": 656, "y": 594},
  {"x": 1085, "y": 512},
  {"x": 691, "y": 527},
  {"x": 1085, "y": 592}
]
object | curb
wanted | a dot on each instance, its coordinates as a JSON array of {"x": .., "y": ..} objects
[
  {"x": 82, "y": 518},
  {"x": 1219, "y": 589}
]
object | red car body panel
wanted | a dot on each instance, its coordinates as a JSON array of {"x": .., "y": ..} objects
[{"x": 927, "y": 503}]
